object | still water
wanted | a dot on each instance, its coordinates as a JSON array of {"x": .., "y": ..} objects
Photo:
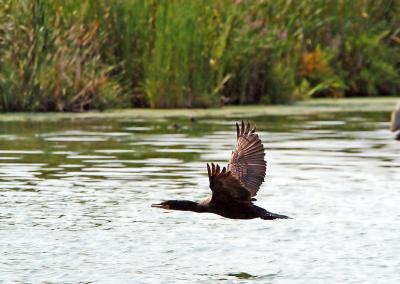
[{"x": 75, "y": 201}]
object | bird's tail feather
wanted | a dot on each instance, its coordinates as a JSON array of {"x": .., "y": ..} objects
[{"x": 272, "y": 216}]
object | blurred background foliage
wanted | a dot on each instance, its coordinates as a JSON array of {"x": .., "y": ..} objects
[{"x": 79, "y": 55}]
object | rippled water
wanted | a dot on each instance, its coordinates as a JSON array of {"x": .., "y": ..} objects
[{"x": 76, "y": 194}]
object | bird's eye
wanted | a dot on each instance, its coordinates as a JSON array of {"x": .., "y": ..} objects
[{"x": 166, "y": 206}]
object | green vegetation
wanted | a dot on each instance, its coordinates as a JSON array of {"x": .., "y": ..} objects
[
  {"x": 313, "y": 106},
  {"x": 78, "y": 55}
]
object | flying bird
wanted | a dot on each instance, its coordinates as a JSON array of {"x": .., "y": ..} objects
[{"x": 235, "y": 186}]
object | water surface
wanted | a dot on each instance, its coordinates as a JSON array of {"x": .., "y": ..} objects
[{"x": 76, "y": 193}]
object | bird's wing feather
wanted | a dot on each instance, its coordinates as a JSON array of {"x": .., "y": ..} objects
[
  {"x": 225, "y": 187},
  {"x": 247, "y": 162}
]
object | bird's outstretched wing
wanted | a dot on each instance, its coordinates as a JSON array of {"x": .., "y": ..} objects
[
  {"x": 247, "y": 162},
  {"x": 224, "y": 186}
]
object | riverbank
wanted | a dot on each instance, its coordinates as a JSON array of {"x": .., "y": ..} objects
[
  {"x": 96, "y": 54},
  {"x": 384, "y": 104}
]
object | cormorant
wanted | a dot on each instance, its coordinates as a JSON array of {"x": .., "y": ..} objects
[
  {"x": 395, "y": 121},
  {"x": 234, "y": 187}
]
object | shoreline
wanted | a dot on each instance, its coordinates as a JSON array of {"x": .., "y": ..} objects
[{"x": 311, "y": 106}]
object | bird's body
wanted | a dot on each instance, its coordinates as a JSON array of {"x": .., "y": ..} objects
[
  {"x": 243, "y": 210},
  {"x": 232, "y": 210},
  {"x": 233, "y": 187}
]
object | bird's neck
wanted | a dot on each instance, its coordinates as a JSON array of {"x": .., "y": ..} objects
[{"x": 187, "y": 205}]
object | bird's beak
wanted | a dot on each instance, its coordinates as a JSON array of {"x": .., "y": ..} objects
[{"x": 163, "y": 206}]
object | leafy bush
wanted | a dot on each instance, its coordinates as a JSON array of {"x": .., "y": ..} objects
[{"x": 78, "y": 55}]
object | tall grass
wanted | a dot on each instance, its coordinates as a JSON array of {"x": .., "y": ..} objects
[
  {"x": 50, "y": 63},
  {"x": 78, "y": 55},
  {"x": 187, "y": 63}
]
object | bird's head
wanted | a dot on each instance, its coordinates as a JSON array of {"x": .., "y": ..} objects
[
  {"x": 164, "y": 205},
  {"x": 183, "y": 205}
]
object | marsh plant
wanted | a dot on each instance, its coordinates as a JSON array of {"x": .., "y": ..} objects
[
  {"x": 48, "y": 64},
  {"x": 78, "y": 55}
]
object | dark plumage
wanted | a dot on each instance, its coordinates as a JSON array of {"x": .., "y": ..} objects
[{"x": 233, "y": 187}]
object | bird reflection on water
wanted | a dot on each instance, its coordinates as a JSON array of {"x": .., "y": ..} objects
[{"x": 233, "y": 187}]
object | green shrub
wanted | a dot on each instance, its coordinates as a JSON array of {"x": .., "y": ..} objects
[{"x": 78, "y": 55}]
